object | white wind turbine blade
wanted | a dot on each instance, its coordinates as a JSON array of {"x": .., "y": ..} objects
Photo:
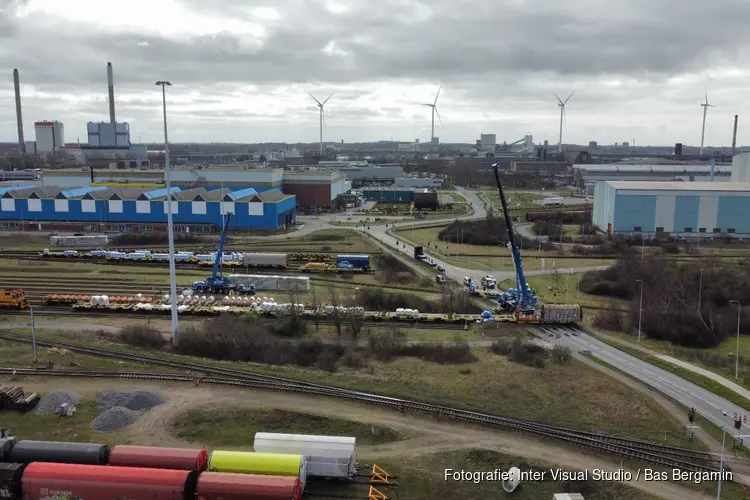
[
  {"x": 571, "y": 95},
  {"x": 437, "y": 95},
  {"x": 314, "y": 99},
  {"x": 438, "y": 115},
  {"x": 558, "y": 97},
  {"x": 324, "y": 102}
]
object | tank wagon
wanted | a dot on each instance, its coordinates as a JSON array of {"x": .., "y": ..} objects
[
  {"x": 327, "y": 456},
  {"x": 41, "y": 480},
  {"x": 266, "y": 464},
  {"x": 27, "y": 451},
  {"x": 228, "y": 486},
  {"x": 155, "y": 457}
]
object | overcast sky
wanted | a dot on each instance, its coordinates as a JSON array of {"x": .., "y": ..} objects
[{"x": 241, "y": 69}]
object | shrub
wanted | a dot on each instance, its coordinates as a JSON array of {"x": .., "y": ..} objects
[{"x": 143, "y": 336}]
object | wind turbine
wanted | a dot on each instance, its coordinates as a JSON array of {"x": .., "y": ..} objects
[
  {"x": 705, "y": 106},
  {"x": 434, "y": 111},
  {"x": 320, "y": 105},
  {"x": 562, "y": 116}
]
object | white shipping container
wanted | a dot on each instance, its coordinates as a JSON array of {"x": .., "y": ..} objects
[
  {"x": 273, "y": 282},
  {"x": 553, "y": 201},
  {"x": 265, "y": 259},
  {"x": 79, "y": 241}
]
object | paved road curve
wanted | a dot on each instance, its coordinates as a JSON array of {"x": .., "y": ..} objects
[{"x": 705, "y": 402}]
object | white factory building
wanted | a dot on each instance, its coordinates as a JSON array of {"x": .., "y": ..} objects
[
  {"x": 50, "y": 136},
  {"x": 108, "y": 135}
]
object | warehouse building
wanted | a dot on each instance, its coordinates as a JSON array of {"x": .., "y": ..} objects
[
  {"x": 422, "y": 198},
  {"x": 316, "y": 189},
  {"x": 106, "y": 209},
  {"x": 683, "y": 209},
  {"x": 585, "y": 176}
]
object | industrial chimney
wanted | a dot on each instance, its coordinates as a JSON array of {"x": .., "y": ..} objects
[
  {"x": 111, "y": 85},
  {"x": 19, "y": 116},
  {"x": 734, "y": 135}
]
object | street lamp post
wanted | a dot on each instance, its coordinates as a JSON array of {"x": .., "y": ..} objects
[
  {"x": 640, "y": 310},
  {"x": 721, "y": 460},
  {"x": 737, "y": 354},
  {"x": 170, "y": 227}
]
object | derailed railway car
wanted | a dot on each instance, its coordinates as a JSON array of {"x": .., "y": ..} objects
[
  {"x": 10, "y": 480},
  {"x": 154, "y": 457},
  {"x": 28, "y": 451},
  {"x": 43, "y": 480},
  {"x": 327, "y": 456},
  {"x": 267, "y": 464},
  {"x": 232, "y": 486},
  {"x": 267, "y": 260}
]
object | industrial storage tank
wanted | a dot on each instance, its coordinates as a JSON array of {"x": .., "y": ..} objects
[
  {"x": 154, "y": 457},
  {"x": 28, "y": 451},
  {"x": 229, "y": 486},
  {"x": 100, "y": 482},
  {"x": 10, "y": 480},
  {"x": 564, "y": 314},
  {"x": 278, "y": 260},
  {"x": 327, "y": 456},
  {"x": 267, "y": 464}
]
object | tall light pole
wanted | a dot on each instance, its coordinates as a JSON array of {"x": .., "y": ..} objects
[
  {"x": 170, "y": 228},
  {"x": 640, "y": 310},
  {"x": 737, "y": 355},
  {"x": 721, "y": 461}
]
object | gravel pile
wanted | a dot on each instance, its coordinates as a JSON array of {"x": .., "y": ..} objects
[
  {"x": 137, "y": 400},
  {"x": 50, "y": 402},
  {"x": 114, "y": 419}
]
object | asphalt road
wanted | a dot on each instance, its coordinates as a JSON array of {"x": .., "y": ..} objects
[{"x": 705, "y": 402}]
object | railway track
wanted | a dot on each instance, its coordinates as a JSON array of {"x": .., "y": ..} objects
[
  {"x": 666, "y": 456},
  {"x": 57, "y": 311}
]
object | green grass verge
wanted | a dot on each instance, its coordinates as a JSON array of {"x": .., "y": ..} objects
[{"x": 236, "y": 426}]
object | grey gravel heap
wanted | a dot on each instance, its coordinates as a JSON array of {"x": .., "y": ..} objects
[
  {"x": 50, "y": 402},
  {"x": 114, "y": 419},
  {"x": 137, "y": 400}
]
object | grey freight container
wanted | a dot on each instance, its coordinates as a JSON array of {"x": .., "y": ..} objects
[
  {"x": 10, "y": 480},
  {"x": 565, "y": 314},
  {"x": 27, "y": 451}
]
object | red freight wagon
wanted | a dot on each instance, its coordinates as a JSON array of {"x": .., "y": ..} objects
[
  {"x": 230, "y": 486},
  {"x": 154, "y": 457},
  {"x": 44, "y": 480}
]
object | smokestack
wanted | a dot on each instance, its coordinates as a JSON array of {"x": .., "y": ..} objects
[
  {"x": 111, "y": 84},
  {"x": 19, "y": 116},
  {"x": 734, "y": 135}
]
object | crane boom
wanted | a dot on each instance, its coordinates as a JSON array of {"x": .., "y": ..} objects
[
  {"x": 218, "y": 261},
  {"x": 525, "y": 300}
]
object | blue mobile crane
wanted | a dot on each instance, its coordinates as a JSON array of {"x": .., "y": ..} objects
[
  {"x": 217, "y": 283},
  {"x": 521, "y": 300}
]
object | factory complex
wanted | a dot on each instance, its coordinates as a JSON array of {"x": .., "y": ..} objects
[{"x": 108, "y": 209}]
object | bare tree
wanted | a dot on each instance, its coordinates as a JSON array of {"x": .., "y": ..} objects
[
  {"x": 556, "y": 277},
  {"x": 315, "y": 305},
  {"x": 333, "y": 295}
]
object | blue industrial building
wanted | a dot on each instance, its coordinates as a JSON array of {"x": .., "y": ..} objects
[
  {"x": 684, "y": 209},
  {"x": 106, "y": 209}
]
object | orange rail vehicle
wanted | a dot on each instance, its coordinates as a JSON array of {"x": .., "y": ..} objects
[{"x": 13, "y": 298}]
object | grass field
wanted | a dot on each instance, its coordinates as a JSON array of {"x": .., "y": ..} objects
[
  {"x": 227, "y": 427},
  {"x": 572, "y": 395},
  {"x": 481, "y": 257},
  {"x": 563, "y": 288}
]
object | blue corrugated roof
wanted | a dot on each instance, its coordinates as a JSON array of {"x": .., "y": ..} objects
[
  {"x": 4, "y": 190},
  {"x": 158, "y": 193},
  {"x": 242, "y": 193},
  {"x": 75, "y": 193}
]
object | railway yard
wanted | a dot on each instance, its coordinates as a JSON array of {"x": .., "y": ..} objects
[{"x": 414, "y": 374}]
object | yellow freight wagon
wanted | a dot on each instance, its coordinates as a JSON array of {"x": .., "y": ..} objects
[{"x": 266, "y": 464}]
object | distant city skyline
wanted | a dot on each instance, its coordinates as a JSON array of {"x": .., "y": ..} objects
[{"x": 242, "y": 74}]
